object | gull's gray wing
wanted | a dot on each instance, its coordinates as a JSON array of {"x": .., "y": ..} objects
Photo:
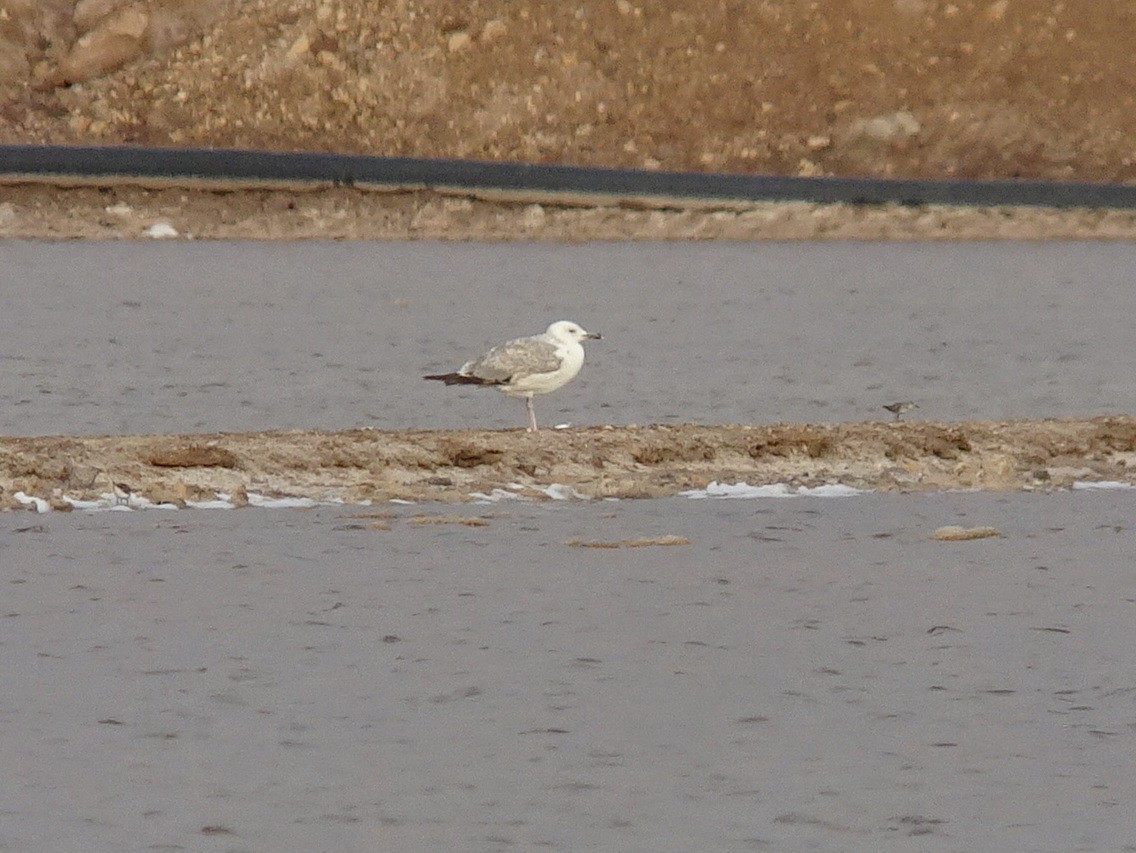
[{"x": 522, "y": 357}]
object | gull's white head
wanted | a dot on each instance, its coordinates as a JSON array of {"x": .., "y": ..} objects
[{"x": 566, "y": 330}]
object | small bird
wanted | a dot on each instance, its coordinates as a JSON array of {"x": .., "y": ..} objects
[
  {"x": 120, "y": 492},
  {"x": 527, "y": 366},
  {"x": 898, "y": 409}
]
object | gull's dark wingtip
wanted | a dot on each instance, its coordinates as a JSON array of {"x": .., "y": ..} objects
[{"x": 455, "y": 378}]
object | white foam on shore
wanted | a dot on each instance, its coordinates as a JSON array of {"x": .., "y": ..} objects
[
  {"x": 109, "y": 502},
  {"x": 286, "y": 503},
  {"x": 220, "y": 502},
  {"x": 832, "y": 490},
  {"x": 775, "y": 490},
  {"x": 495, "y": 496},
  {"x": 38, "y": 504},
  {"x": 563, "y": 492},
  {"x": 555, "y": 491}
]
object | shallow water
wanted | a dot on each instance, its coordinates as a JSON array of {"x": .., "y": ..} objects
[
  {"x": 184, "y": 337},
  {"x": 807, "y": 674}
]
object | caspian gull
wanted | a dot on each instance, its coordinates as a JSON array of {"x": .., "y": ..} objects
[{"x": 527, "y": 366}]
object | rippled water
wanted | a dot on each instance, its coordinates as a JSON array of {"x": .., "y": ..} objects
[
  {"x": 806, "y": 674},
  {"x": 183, "y": 337}
]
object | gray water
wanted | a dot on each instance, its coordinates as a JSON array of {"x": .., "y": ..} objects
[
  {"x": 186, "y": 337},
  {"x": 806, "y": 674}
]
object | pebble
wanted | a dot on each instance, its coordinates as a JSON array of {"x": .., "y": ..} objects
[
  {"x": 493, "y": 29},
  {"x": 131, "y": 22},
  {"x": 299, "y": 47},
  {"x": 459, "y": 41},
  {"x": 98, "y": 52},
  {"x": 887, "y": 127},
  {"x": 161, "y": 230},
  {"x": 117, "y": 40},
  {"x": 88, "y": 13},
  {"x": 807, "y": 168},
  {"x": 997, "y": 11},
  {"x": 533, "y": 217},
  {"x": 955, "y": 533}
]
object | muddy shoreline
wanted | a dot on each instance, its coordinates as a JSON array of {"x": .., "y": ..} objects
[{"x": 595, "y": 462}]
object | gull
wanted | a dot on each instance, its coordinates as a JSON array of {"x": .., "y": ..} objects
[
  {"x": 527, "y": 366},
  {"x": 898, "y": 409}
]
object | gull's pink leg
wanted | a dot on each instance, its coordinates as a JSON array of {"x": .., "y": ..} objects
[{"x": 532, "y": 414}]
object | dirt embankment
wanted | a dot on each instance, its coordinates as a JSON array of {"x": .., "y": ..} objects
[
  {"x": 624, "y": 462},
  {"x": 963, "y": 89},
  {"x": 969, "y": 88}
]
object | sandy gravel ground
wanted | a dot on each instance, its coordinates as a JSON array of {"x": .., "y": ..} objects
[
  {"x": 969, "y": 89},
  {"x": 48, "y": 211},
  {"x": 973, "y": 88}
]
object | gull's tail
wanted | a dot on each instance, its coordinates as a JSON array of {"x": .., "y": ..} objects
[{"x": 456, "y": 379}]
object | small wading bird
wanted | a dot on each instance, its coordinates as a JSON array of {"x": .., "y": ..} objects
[
  {"x": 527, "y": 366},
  {"x": 898, "y": 409}
]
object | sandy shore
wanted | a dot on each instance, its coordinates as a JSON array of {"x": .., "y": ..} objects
[{"x": 597, "y": 462}]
